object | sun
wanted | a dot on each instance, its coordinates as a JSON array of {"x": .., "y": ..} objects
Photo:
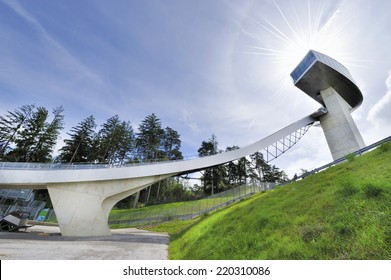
[{"x": 282, "y": 32}]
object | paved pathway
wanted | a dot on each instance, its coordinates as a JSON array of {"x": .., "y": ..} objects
[{"x": 46, "y": 243}]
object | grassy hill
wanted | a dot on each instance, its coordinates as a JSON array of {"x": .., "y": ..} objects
[
  {"x": 153, "y": 214},
  {"x": 341, "y": 213}
]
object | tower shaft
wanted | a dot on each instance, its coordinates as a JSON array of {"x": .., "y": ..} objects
[{"x": 340, "y": 130}]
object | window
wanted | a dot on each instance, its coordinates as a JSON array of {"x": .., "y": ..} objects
[{"x": 303, "y": 66}]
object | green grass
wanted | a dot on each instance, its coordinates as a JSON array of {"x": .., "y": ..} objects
[
  {"x": 341, "y": 213},
  {"x": 139, "y": 216}
]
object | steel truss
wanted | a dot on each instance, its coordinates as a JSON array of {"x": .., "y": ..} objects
[{"x": 281, "y": 146}]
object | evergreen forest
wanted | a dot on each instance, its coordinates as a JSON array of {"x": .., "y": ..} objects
[{"x": 31, "y": 133}]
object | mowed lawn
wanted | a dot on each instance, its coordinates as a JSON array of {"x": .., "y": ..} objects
[{"x": 343, "y": 212}]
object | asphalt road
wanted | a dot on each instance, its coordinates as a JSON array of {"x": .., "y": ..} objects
[{"x": 46, "y": 243}]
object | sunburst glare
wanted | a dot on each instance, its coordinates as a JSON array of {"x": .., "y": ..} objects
[{"x": 280, "y": 36}]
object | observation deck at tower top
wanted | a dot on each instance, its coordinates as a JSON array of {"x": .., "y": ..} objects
[{"x": 317, "y": 72}]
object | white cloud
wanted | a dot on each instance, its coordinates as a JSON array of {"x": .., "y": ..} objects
[
  {"x": 380, "y": 114},
  {"x": 187, "y": 118}
]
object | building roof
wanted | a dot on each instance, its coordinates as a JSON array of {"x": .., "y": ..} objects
[{"x": 317, "y": 72}]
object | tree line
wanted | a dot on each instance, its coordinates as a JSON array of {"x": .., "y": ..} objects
[
  {"x": 252, "y": 169},
  {"x": 30, "y": 134},
  {"x": 247, "y": 170},
  {"x": 27, "y": 134}
]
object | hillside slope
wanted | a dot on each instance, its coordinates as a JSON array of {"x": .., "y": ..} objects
[{"x": 341, "y": 213}]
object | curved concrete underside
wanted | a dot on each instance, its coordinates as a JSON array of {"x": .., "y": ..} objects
[{"x": 83, "y": 198}]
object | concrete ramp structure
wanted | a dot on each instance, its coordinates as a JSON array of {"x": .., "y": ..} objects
[{"x": 83, "y": 195}]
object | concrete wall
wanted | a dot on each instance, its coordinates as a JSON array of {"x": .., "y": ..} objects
[{"x": 341, "y": 132}]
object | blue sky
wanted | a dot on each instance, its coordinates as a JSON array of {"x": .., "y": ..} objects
[{"x": 202, "y": 67}]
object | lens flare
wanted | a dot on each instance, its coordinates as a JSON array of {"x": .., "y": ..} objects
[{"x": 280, "y": 36}]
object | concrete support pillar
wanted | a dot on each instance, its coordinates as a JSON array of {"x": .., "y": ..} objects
[
  {"x": 82, "y": 208},
  {"x": 341, "y": 132}
]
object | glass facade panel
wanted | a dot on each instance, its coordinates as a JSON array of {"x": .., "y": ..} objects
[
  {"x": 309, "y": 59},
  {"x": 303, "y": 66}
]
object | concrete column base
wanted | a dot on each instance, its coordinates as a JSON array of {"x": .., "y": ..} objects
[
  {"x": 82, "y": 208},
  {"x": 341, "y": 132}
]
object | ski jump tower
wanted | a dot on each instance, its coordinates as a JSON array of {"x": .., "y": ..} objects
[{"x": 329, "y": 82}]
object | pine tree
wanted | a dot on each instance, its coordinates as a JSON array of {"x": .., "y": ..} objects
[
  {"x": 153, "y": 143},
  {"x": 36, "y": 138},
  {"x": 213, "y": 178},
  {"x": 264, "y": 172},
  {"x": 171, "y": 143},
  {"x": 10, "y": 126},
  {"x": 232, "y": 169},
  {"x": 80, "y": 146},
  {"x": 115, "y": 141},
  {"x": 149, "y": 139},
  {"x": 126, "y": 143},
  {"x": 47, "y": 138}
]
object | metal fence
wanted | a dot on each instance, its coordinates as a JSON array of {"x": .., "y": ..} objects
[
  {"x": 24, "y": 195},
  {"x": 179, "y": 210},
  {"x": 342, "y": 159},
  {"x": 19, "y": 199},
  {"x": 82, "y": 165},
  {"x": 184, "y": 210}
]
